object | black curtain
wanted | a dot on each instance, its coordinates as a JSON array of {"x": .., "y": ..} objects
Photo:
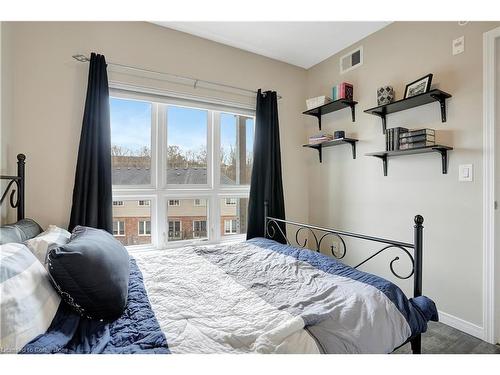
[
  {"x": 266, "y": 184},
  {"x": 92, "y": 195}
]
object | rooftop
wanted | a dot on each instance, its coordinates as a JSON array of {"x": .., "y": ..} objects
[{"x": 175, "y": 176}]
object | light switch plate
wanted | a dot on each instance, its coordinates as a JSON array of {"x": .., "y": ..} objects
[
  {"x": 458, "y": 45},
  {"x": 465, "y": 172}
]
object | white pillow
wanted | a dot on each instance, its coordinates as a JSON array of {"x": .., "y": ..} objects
[
  {"x": 28, "y": 301},
  {"x": 52, "y": 236}
]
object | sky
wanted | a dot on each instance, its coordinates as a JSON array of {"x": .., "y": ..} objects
[{"x": 187, "y": 127}]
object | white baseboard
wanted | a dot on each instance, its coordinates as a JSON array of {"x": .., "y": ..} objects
[{"x": 462, "y": 325}]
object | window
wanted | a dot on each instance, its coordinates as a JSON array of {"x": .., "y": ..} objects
[
  {"x": 230, "y": 201},
  {"x": 174, "y": 230},
  {"x": 233, "y": 215},
  {"x": 144, "y": 228},
  {"x": 236, "y": 149},
  {"x": 230, "y": 226},
  {"x": 117, "y": 203},
  {"x": 132, "y": 214},
  {"x": 188, "y": 162},
  {"x": 118, "y": 228},
  {"x": 187, "y": 133},
  {"x": 200, "y": 202},
  {"x": 199, "y": 228},
  {"x": 130, "y": 142}
]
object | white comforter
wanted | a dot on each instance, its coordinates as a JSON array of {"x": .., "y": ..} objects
[{"x": 201, "y": 309}]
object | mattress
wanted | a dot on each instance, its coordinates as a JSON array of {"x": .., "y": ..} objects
[{"x": 257, "y": 296}]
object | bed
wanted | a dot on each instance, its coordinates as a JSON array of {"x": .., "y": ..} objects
[{"x": 259, "y": 296}]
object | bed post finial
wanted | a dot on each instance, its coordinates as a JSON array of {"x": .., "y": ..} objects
[
  {"x": 21, "y": 158},
  {"x": 418, "y": 231}
]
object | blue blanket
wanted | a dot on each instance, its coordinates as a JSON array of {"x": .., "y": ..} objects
[{"x": 136, "y": 331}]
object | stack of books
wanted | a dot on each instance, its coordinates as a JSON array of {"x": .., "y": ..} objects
[
  {"x": 392, "y": 138},
  {"x": 320, "y": 138},
  {"x": 417, "y": 139},
  {"x": 343, "y": 91}
]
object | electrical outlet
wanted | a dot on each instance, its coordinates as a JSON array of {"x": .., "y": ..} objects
[{"x": 458, "y": 45}]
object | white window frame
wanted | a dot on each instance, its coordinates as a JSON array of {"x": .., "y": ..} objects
[
  {"x": 118, "y": 224},
  {"x": 160, "y": 192},
  {"x": 230, "y": 200},
  {"x": 231, "y": 233},
  {"x": 117, "y": 203},
  {"x": 199, "y": 204},
  {"x": 146, "y": 203},
  {"x": 176, "y": 202},
  {"x": 143, "y": 226}
]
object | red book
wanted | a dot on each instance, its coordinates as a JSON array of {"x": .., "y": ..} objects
[{"x": 346, "y": 91}]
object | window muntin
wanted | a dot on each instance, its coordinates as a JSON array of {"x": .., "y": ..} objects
[
  {"x": 160, "y": 190},
  {"x": 117, "y": 203},
  {"x": 143, "y": 203},
  {"x": 130, "y": 141},
  {"x": 130, "y": 214},
  {"x": 144, "y": 228}
]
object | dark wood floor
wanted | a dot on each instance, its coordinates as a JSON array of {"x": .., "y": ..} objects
[{"x": 443, "y": 339}]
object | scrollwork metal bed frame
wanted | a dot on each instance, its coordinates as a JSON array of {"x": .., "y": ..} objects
[
  {"x": 13, "y": 183},
  {"x": 273, "y": 227}
]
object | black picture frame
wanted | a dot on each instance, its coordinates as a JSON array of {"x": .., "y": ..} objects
[{"x": 419, "y": 86}]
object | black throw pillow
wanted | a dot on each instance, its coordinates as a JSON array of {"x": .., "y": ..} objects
[{"x": 91, "y": 273}]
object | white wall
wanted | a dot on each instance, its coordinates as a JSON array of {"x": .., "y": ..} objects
[
  {"x": 357, "y": 194},
  {"x": 49, "y": 93}
]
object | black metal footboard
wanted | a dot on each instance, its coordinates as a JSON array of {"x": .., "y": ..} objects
[{"x": 275, "y": 229}]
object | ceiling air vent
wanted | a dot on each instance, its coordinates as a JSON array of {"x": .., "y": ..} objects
[{"x": 351, "y": 60}]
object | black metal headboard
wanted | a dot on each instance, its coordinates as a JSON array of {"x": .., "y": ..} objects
[{"x": 16, "y": 187}]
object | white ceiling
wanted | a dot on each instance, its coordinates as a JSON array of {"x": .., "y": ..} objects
[{"x": 302, "y": 44}]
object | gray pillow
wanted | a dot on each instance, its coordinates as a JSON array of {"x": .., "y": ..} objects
[
  {"x": 91, "y": 273},
  {"x": 19, "y": 232}
]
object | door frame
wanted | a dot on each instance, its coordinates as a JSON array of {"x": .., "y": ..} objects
[{"x": 489, "y": 100}]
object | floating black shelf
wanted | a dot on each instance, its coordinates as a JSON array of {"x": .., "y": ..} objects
[
  {"x": 443, "y": 150},
  {"x": 331, "y": 143},
  {"x": 332, "y": 107},
  {"x": 412, "y": 102}
]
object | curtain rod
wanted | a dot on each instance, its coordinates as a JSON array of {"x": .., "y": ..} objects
[{"x": 195, "y": 82}]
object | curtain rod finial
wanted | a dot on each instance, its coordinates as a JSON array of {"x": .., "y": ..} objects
[{"x": 81, "y": 58}]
